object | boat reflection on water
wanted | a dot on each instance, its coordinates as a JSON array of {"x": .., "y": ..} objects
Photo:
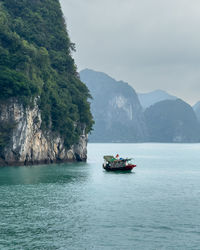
[{"x": 112, "y": 163}]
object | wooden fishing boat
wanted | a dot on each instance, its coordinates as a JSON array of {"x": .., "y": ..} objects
[{"x": 114, "y": 164}]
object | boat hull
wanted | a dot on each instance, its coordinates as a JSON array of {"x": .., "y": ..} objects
[{"x": 125, "y": 168}]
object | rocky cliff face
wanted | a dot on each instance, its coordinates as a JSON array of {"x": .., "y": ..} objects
[
  {"x": 116, "y": 109},
  {"x": 29, "y": 144}
]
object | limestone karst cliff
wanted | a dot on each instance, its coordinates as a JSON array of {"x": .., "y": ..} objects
[
  {"x": 44, "y": 109},
  {"x": 172, "y": 121},
  {"x": 29, "y": 144},
  {"x": 119, "y": 116},
  {"x": 116, "y": 109}
]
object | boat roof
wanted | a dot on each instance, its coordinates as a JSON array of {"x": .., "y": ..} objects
[{"x": 111, "y": 158}]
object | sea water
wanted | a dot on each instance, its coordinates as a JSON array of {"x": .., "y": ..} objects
[{"x": 80, "y": 206}]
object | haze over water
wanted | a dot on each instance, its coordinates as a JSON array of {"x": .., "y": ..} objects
[{"x": 80, "y": 206}]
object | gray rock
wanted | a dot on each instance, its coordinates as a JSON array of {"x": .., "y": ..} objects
[
  {"x": 29, "y": 144},
  {"x": 116, "y": 109}
]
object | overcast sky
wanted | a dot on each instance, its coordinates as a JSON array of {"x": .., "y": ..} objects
[{"x": 151, "y": 44}]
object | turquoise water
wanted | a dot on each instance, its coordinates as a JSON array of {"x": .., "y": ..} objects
[{"x": 80, "y": 206}]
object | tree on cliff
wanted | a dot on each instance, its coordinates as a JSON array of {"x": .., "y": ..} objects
[{"x": 35, "y": 60}]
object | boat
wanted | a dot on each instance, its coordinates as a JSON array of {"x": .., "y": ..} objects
[{"x": 112, "y": 163}]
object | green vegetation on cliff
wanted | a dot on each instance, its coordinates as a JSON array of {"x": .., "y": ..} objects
[{"x": 35, "y": 60}]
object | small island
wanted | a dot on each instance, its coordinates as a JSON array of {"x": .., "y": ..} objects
[{"x": 44, "y": 110}]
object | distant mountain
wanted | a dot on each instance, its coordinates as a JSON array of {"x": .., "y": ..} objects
[
  {"x": 148, "y": 99},
  {"x": 196, "y": 109},
  {"x": 172, "y": 121},
  {"x": 116, "y": 109}
]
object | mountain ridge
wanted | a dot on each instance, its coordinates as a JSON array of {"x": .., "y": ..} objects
[
  {"x": 172, "y": 121},
  {"x": 116, "y": 109},
  {"x": 150, "y": 98},
  {"x": 182, "y": 127}
]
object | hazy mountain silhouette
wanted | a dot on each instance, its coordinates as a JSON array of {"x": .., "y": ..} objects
[
  {"x": 148, "y": 99},
  {"x": 172, "y": 121},
  {"x": 116, "y": 109},
  {"x": 196, "y": 109},
  {"x": 119, "y": 116}
]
